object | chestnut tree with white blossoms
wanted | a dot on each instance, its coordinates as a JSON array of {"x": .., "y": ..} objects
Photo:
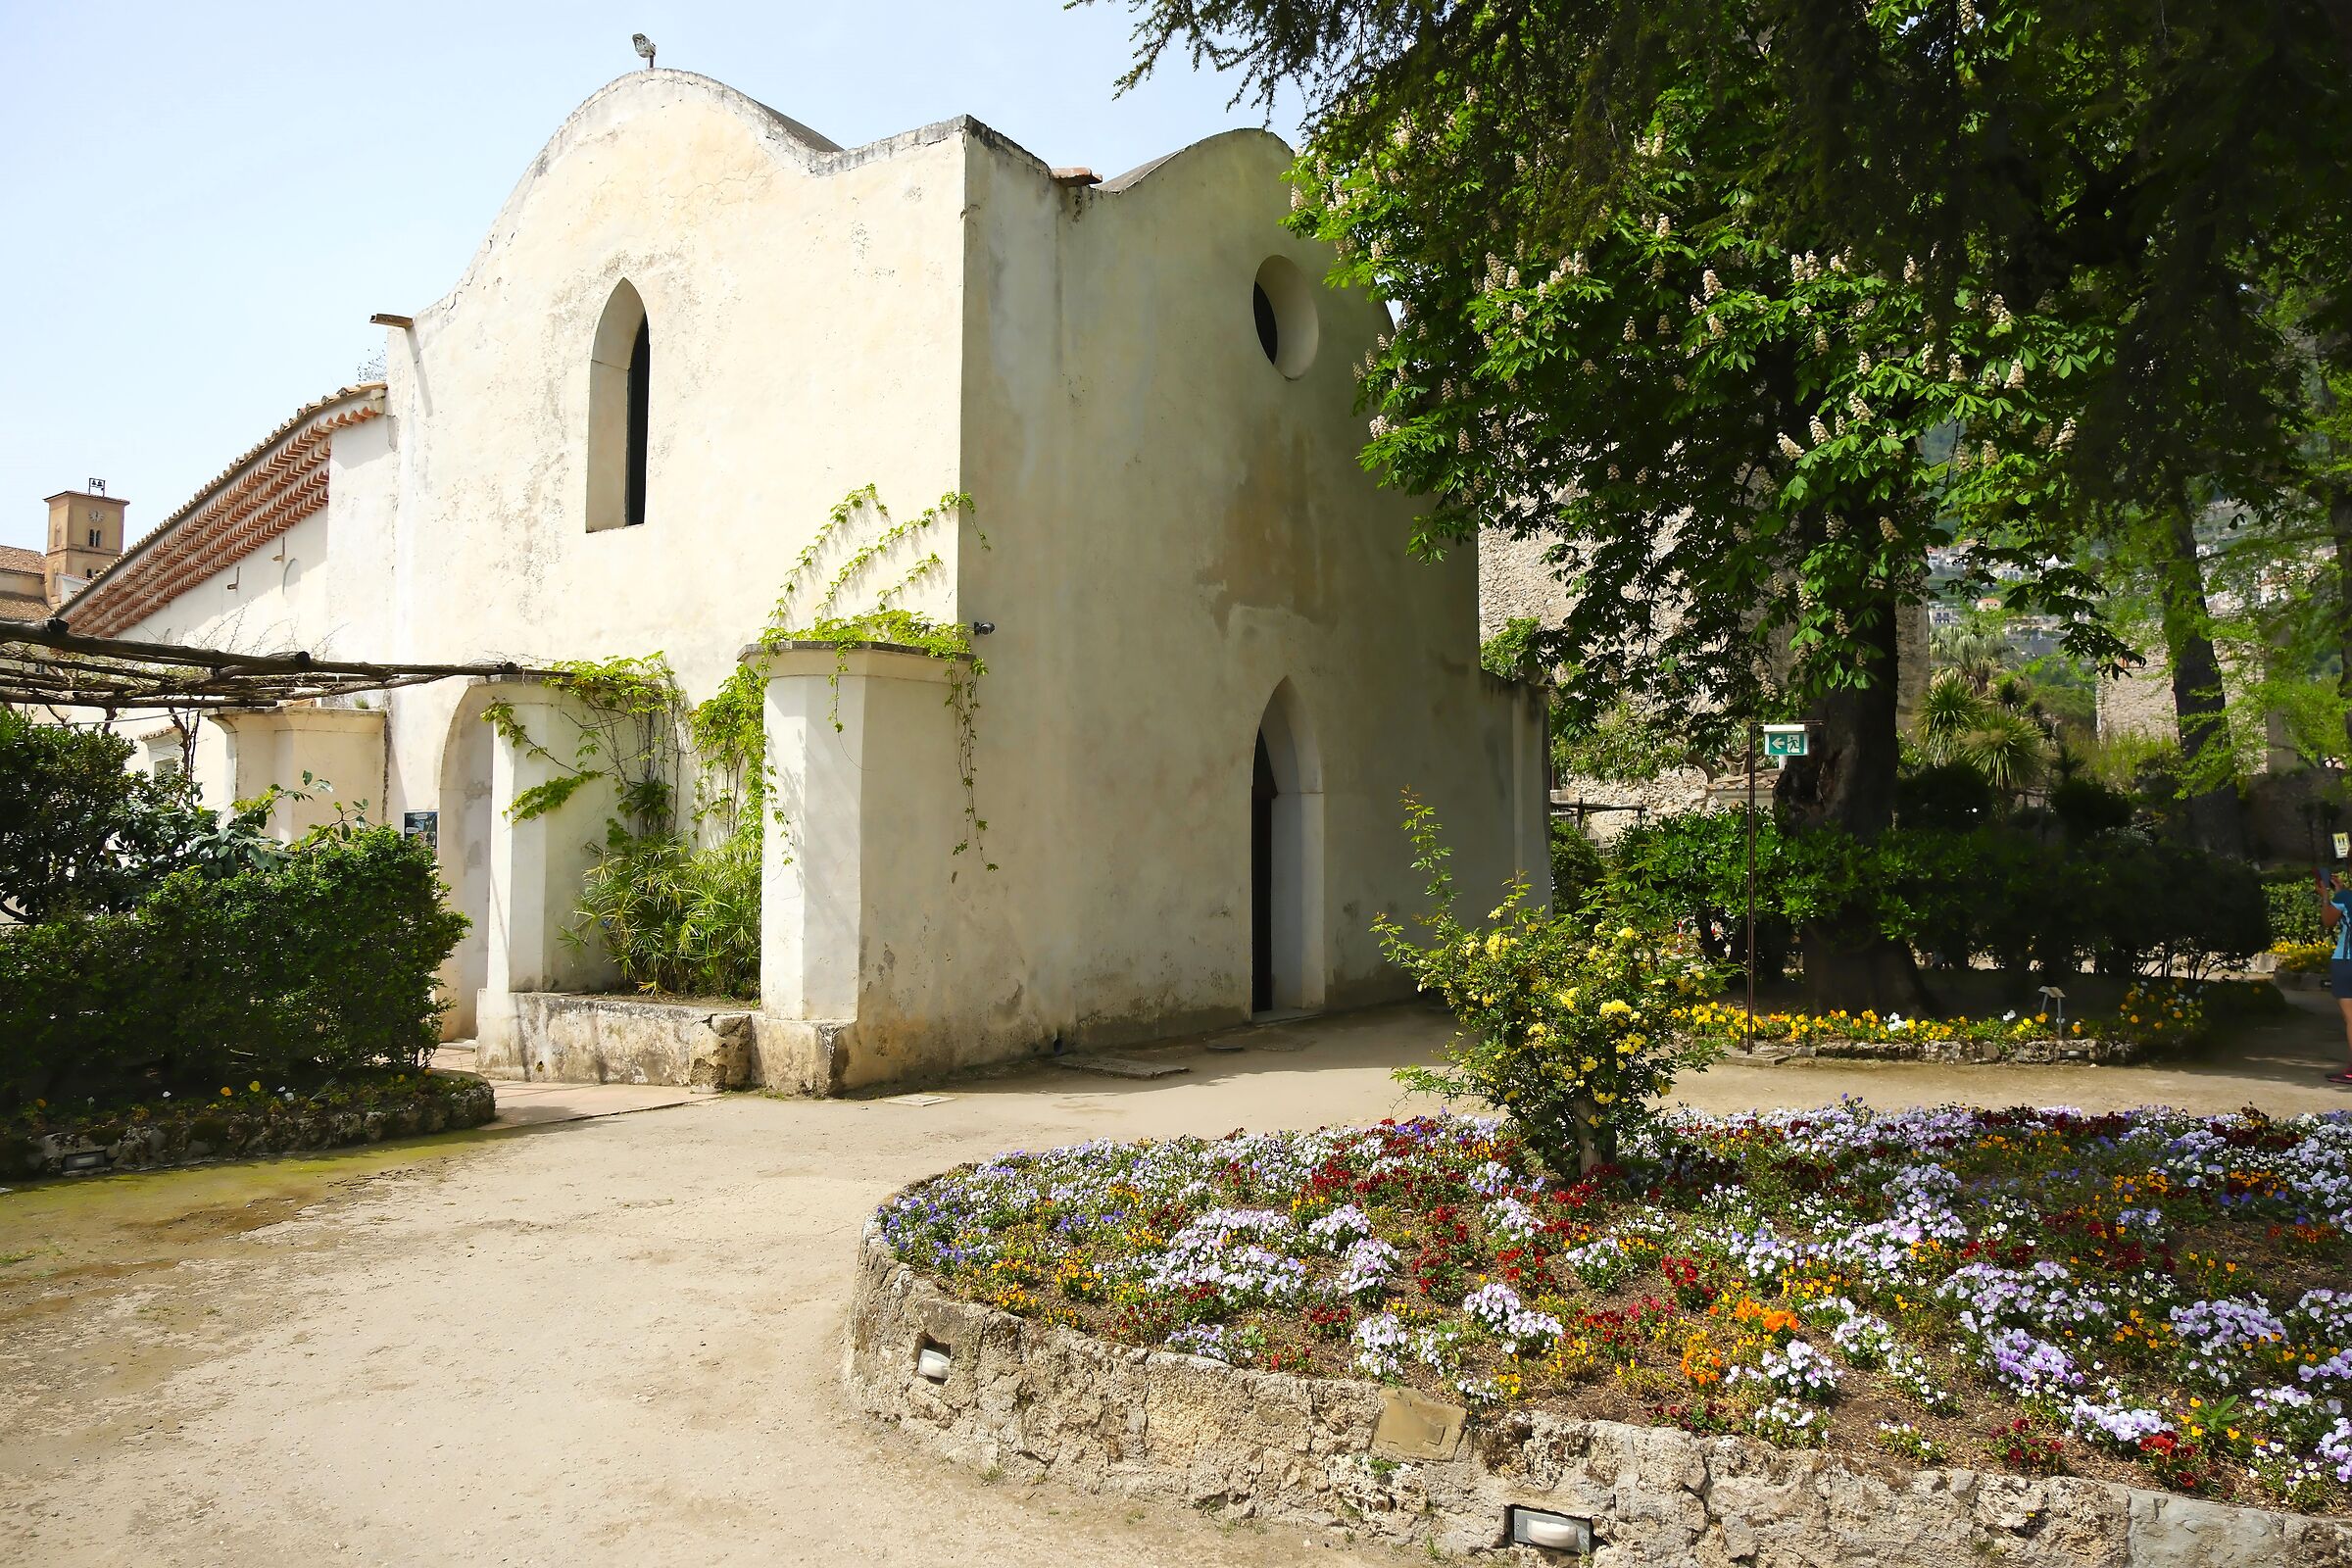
[{"x": 1741, "y": 306}]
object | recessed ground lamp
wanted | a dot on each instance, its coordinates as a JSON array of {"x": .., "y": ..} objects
[
  {"x": 1551, "y": 1531},
  {"x": 931, "y": 1362},
  {"x": 82, "y": 1161}
]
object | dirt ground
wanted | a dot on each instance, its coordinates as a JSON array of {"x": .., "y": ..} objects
[{"x": 618, "y": 1340}]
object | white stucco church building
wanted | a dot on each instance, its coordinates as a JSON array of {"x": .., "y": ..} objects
[{"x": 694, "y": 327}]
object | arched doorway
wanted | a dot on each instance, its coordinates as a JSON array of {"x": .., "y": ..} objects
[
  {"x": 461, "y": 836},
  {"x": 1286, "y": 861}
]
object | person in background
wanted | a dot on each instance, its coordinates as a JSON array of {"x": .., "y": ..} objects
[{"x": 2336, "y": 912}]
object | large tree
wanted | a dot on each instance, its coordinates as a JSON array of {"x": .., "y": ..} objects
[{"x": 1742, "y": 304}]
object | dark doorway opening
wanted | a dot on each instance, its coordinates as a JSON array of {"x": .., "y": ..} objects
[{"x": 1261, "y": 880}]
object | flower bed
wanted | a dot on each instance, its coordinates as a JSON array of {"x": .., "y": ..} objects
[
  {"x": 2147, "y": 1298},
  {"x": 242, "y": 1121},
  {"x": 2155, "y": 1016},
  {"x": 2301, "y": 957}
]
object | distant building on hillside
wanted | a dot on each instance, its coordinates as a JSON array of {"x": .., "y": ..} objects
[{"x": 86, "y": 535}]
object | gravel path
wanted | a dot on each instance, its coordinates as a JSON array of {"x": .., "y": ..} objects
[{"x": 618, "y": 1340}]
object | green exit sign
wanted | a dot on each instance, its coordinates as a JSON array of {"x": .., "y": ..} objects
[{"x": 1784, "y": 740}]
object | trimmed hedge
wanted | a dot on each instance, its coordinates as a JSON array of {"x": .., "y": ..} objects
[
  {"x": 282, "y": 973},
  {"x": 2005, "y": 893}
]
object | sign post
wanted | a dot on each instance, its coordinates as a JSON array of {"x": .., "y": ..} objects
[{"x": 1781, "y": 741}]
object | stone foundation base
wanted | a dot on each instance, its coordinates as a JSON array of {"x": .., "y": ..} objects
[
  {"x": 578, "y": 1039},
  {"x": 1351, "y": 1456}
]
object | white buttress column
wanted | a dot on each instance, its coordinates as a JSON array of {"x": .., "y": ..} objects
[
  {"x": 537, "y": 867},
  {"x": 858, "y": 856}
]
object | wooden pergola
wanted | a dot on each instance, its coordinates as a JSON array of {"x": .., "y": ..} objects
[{"x": 42, "y": 663}]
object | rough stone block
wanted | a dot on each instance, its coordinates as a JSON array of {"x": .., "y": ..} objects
[{"x": 1414, "y": 1426}]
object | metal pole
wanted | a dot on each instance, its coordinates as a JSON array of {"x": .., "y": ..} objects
[{"x": 1751, "y": 1047}]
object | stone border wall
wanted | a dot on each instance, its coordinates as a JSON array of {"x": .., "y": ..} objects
[
  {"x": 1400, "y": 1468},
  {"x": 583, "y": 1038},
  {"x": 235, "y": 1129},
  {"x": 2095, "y": 1049}
]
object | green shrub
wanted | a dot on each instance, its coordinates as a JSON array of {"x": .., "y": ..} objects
[
  {"x": 676, "y": 918},
  {"x": 79, "y": 831},
  {"x": 2292, "y": 909},
  {"x": 2085, "y": 808},
  {"x": 1564, "y": 1012},
  {"x": 322, "y": 962},
  {"x": 1945, "y": 795},
  {"x": 1576, "y": 863},
  {"x": 1998, "y": 892}
]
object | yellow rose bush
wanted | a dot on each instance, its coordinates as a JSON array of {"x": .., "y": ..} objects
[{"x": 1568, "y": 1017}]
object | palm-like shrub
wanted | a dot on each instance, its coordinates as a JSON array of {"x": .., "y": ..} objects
[
  {"x": 677, "y": 919},
  {"x": 1959, "y": 724}
]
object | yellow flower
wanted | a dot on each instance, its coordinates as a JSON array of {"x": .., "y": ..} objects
[
  {"x": 224, "y": 1092},
  {"x": 1616, "y": 1009},
  {"x": 1590, "y": 1063},
  {"x": 255, "y": 1086}
]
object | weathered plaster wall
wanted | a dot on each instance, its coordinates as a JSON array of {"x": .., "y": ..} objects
[
  {"x": 804, "y": 343},
  {"x": 1177, "y": 528},
  {"x": 1174, "y": 529},
  {"x": 284, "y": 594}
]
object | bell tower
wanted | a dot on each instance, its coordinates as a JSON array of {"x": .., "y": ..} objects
[{"x": 85, "y": 536}]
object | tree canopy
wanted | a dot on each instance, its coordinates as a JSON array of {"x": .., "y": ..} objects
[{"x": 1742, "y": 304}]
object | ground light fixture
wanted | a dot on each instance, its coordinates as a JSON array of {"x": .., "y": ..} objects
[
  {"x": 83, "y": 1160},
  {"x": 931, "y": 1364},
  {"x": 1549, "y": 1531}
]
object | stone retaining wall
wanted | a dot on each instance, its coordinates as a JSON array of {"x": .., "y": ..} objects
[
  {"x": 1397, "y": 1467},
  {"x": 240, "y": 1130},
  {"x": 576, "y": 1038},
  {"x": 2109, "y": 1052}
]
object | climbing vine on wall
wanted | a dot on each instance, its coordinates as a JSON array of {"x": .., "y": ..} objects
[
  {"x": 632, "y": 711},
  {"x": 677, "y": 902},
  {"x": 890, "y": 622}
]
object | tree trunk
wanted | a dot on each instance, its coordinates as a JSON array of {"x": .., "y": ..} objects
[
  {"x": 1595, "y": 1134},
  {"x": 1846, "y": 781},
  {"x": 2216, "y": 820},
  {"x": 2339, "y": 521}
]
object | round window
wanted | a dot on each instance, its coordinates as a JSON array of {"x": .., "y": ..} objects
[{"x": 1283, "y": 301}]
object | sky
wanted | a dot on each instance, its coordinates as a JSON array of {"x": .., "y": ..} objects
[{"x": 208, "y": 201}]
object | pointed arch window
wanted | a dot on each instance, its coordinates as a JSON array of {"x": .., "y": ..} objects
[{"x": 621, "y": 401}]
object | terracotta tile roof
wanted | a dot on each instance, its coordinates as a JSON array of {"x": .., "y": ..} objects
[
  {"x": 272, "y": 486},
  {"x": 14, "y": 558}
]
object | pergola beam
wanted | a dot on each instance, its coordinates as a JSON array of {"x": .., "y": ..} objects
[{"x": 47, "y": 663}]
